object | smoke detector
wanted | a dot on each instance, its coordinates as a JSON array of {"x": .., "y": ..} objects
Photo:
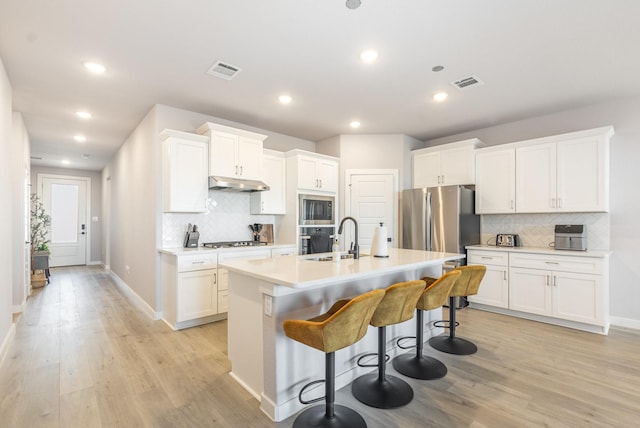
[
  {"x": 468, "y": 82},
  {"x": 224, "y": 70}
]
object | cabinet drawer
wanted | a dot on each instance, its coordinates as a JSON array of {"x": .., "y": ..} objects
[
  {"x": 197, "y": 262},
  {"x": 588, "y": 265},
  {"x": 480, "y": 257}
]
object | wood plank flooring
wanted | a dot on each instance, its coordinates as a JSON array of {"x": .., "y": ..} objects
[{"x": 84, "y": 357}]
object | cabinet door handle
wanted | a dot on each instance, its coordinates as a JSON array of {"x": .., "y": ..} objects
[
  {"x": 240, "y": 169},
  {"x": 553, "y": 202},
  {"x": 559, "y": 202},
  {"x": 215, "y": 278},
  {"x": 320, "y": 183},
  {"x": 555, "y": 281},
  {"x": 504, "y": 275},
  {"x": 442, "y": 179},
  {"x": 236, "y": 169},
  {"x": 547, "y": 278},
  {"x": 262, "y": 209},
  {"x": 511, "y": 203}
]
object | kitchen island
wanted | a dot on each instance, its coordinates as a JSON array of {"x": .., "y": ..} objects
[{"x": 263, "y": 293}]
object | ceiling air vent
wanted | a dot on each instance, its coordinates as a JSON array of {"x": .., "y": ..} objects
[
  {"x": 223, "y": 70},
  {"x": 467, "y": 82}
]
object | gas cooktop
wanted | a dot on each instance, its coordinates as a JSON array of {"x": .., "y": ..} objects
[{"x": 233, "y": 244}]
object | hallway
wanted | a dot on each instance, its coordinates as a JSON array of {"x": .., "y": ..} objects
[{"x": 84, "y": 357}]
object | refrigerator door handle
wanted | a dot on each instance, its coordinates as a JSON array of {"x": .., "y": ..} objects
[{"x": 429, "y": 223}]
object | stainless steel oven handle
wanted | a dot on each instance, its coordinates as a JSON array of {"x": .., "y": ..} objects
[{"x": 305, "y": 237}]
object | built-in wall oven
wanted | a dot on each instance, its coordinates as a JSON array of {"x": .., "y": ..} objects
[
  {"x": 315, "y": 240},
  {"x": 316, "y": 210}
]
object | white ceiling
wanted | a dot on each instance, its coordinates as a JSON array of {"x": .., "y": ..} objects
[{"x": 535, "y": 57}]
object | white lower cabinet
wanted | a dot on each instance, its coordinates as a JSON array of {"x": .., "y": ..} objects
[
  {"x": 494, "y": 288},
  {"x": 567, "y": 290},
  {"x": 189, "y": 289}
]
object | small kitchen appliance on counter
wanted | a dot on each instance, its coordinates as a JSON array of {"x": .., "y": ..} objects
[
  {"x": 571, "y": 237},
  {"x": 507, "y": 240},
  {"x": 191, "y": 237}
]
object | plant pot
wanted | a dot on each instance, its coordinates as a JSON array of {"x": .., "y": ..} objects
[{"x": 38, "y": 278}]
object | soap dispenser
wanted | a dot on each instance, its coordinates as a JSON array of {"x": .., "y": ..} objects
[{"x": 335, "y": 251}]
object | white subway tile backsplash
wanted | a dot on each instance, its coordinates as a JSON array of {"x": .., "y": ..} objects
[
  {"x": 227, "y": 219},
  {"x": 537, "y": 230}
]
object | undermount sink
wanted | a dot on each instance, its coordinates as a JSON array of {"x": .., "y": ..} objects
[{"x": 329, "y": 258}]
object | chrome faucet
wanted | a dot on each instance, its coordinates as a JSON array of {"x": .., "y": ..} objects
[{"x": 356, "y": 248}]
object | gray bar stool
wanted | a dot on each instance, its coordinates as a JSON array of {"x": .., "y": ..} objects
[
  {"x": 467, "y": 285},
  {"x": 343, "y": 325},
  {"x": 378, "y": 389},
  {"x": 420, "y": 366}
]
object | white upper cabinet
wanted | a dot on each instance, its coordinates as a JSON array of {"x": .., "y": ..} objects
[
  {"x": 234, "y": 152},
  {"x": 496, "y": 180},
  {"x": 273, "y": 200},
  {"x": 445, "y": 165},
  {"x": 185, "y": 171},
  {"x": 314, "y": 172},
  {"x": 564, "y": 173}
]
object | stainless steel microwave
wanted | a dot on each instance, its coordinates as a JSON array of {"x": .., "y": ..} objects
[{"x": 315, "y": 209}]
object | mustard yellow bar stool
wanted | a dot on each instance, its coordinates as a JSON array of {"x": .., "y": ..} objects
[
  {"x": 343, "y": 325},
  {"x": 379, "y": 389},
  {"x": 420, "y": 366},
  {"x": 467, "y": 285}
]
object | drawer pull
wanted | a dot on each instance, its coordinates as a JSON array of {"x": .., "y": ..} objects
[
  {"x": 552, "y": 263},
  {"x": 487, "y": 258},
  {"x": 198, "y": 262}
]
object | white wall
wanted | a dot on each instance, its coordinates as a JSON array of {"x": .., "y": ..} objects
[
  {"x": 6, "y": 213},
  {"x": 95, "y": 243},
  {"x": 624, "y": 115},
  {"x": 20, "y": 202}
]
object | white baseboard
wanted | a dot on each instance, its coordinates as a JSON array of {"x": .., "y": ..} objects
[
  {"x": 16, "y": 309},
  {"x": 95, "y": 263},
  {"x": 133, "y": 297},
  {"x": 625, "y": 322},
  {"x": 6, "y": 342}
]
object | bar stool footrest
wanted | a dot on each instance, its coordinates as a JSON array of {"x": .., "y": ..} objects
[
  {"x": 386, "y": 359},
  {"x": 399, "y": 345},
  {"x": 304, "y": 388},
  {"x": 444, "y": 324}
]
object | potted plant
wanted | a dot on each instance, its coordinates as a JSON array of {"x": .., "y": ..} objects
[{"x": 40, "y": 222}]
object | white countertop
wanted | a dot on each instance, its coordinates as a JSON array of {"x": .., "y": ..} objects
[
  {"x": 301, "y": 272},
  {"x": 541, "y": 250},
  {"x": 181, "y": 251}
]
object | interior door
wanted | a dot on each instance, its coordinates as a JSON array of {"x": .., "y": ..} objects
[
  {"x": 372, "y": 202},
  {"x": 65, "y": 199}
]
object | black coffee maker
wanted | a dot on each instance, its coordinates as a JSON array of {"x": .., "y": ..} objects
[{"x": 256, "y": 228}]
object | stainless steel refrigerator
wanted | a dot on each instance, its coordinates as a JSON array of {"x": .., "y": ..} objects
[{"x": 440, "y": 219}]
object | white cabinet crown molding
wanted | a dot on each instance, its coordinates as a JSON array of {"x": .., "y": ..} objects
[{"x": 210, "y": 126}]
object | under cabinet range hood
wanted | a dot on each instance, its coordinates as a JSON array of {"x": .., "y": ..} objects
[{"x": 236, "y": 185}]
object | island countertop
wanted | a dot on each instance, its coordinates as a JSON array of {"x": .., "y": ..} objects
[{"x": 303, "y": 272}]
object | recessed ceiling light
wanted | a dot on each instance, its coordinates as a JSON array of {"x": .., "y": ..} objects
[
  {"x": 369, "y": 55},
  {"x": 437, "y": 68},
  {"x": 440, "y": 96},
  {"x": 355, "y": 124},
  {"x": 285, "y": 99},
  {"x": 94, "y": 67},
  {"x": 65, "y": 162},
  {"x": 83, "y": 114},
  {"x": 85, "y": 156},
  {"x": 80, "y": 138}
]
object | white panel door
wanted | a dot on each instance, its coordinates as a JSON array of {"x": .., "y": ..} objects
[
  {"x": 223, "y": 151},
  {"x": 578, "y": 297},
  {"x": 457, "y": 166},
  {"x": 496, "y": 181},
  {"x": 65, "y": 199},
  {"x": 249, "y": 158},
  {"x": 427, "y": 170},
  {"x": 494, "y": 288},
  {"x": 372, "y": 202},
  {"x": 530, "y": 290}
]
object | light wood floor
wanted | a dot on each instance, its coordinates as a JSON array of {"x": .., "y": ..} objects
[{"x": 84, "y": 357}]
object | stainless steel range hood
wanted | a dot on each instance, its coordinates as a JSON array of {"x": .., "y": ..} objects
[{"x": 236, "y": 185}]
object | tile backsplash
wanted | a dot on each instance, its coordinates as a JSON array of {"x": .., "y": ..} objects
[
  {"x": 537, "y": 230},
  {"x": 227, "y": 219}
]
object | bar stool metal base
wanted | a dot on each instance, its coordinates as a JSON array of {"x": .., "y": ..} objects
[
  {"x": 389, "y": 393},
  {"x": 343, "y": 417},
  {"x": 424, "y": 367},
  {"x": 453, "y": 345}
]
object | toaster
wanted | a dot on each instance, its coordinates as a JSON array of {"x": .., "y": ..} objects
[{"x": 507, "y": 240}]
